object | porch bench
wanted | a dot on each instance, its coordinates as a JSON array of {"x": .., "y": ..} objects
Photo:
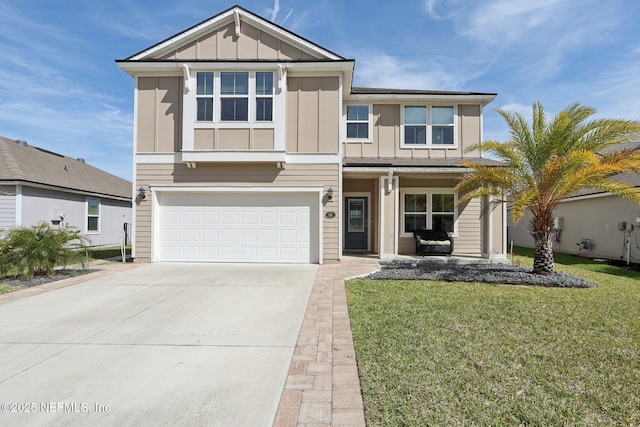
[{"x": 433, "y": 242}]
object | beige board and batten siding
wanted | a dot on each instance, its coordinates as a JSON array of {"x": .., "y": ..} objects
[
  {"x": 246, "y": 139},
  {"x": 159, "y": 114},
  {"x": 253, "y": 43},
  {"x": 387, "y": 138},
  {"x": 312, "y": 119},
  {"x": 240, "y": 175}
]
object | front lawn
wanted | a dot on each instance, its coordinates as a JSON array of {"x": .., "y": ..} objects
[{"x": 442, "y": 353}]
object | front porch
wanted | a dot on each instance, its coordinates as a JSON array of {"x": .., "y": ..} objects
[{"x": 382, "y": 206}]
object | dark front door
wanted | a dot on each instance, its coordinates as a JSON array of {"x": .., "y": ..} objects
[{"x": 357, "y": 223}]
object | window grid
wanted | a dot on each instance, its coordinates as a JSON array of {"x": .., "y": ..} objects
[
  {"x": 240, "y": 96},
  {"x": 357, "y": 121},
  {"x": 429, "y": 126},
  {"x": 433, "y": 211},
  {"x": 93, "y": 216}
]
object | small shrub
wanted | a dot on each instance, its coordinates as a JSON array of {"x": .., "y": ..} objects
[{"x": 37, "y": 250}]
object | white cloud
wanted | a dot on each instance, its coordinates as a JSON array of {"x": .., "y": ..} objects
[
  {"x": 274, "y": 11},
  {"x": 379, "y": 69}
]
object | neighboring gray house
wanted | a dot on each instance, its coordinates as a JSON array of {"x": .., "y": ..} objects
[
  {"x": 38, "y": 185},
  {"x": 592, "y": 223}
]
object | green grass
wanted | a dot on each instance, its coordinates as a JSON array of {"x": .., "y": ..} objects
[
  {"x": 435, "y": 353},
  {"x": 5, "y": 289},
  {"x": 104, "y": 253}
]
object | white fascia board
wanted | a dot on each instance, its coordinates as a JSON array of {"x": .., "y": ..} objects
[
  {"x": 234, "y": 156},
  {"x": 395, "y": 98},
  {"x": 386, "y": 170},
  {"x": 67, "y": 190},
  {"x": 231, "y": 15},
  {"x": 190, "y": 188}
]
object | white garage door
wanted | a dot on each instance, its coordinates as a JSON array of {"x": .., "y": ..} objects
[{"x": 246, "y": 227}]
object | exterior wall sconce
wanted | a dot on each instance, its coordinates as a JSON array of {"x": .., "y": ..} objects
[
  {"x": 330, "y": 193},
  {"x": 141, "y": 193}
]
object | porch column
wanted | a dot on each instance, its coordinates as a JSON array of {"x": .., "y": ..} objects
[{"x": 389, "y": 215}]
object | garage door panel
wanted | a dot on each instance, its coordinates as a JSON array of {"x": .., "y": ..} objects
[
  {"x": 229, "y": 218},
  {"x": 238, "y": 227},
  {"x": 210, "y": 217},
  {"x": 210, "y": 235}
]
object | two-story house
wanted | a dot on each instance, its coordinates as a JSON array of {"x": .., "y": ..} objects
[{"x": 252, "y": 145}]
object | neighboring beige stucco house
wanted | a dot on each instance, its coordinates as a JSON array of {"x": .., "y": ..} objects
[
  {"x": 38, "y": 185},
  {"x": 593, "y": 224},
  {"x": 253, "y": 146}
]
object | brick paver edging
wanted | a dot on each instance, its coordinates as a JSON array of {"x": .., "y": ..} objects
[{"x": 322, "y": 386}]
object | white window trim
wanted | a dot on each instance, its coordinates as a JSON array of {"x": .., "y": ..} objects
[
  {"x": 86, "y": 216},
  {"x": 429, "y": 126},
  {"x": 369, "y": 122},
  {"x": 428, "y": 192},
  {"x": 189, "y": 105},
  {"x": 192, "y": 104}
]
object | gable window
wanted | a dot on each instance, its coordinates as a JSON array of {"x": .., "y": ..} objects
[
  {"x": 204, "y": 96},
  {"x": 431, "y": 210},
  {"x": 428, "y": 126},
  {"x": 357, "y": 121},
  {"x": 234, "y": 96},
  {"x": 264, "y": 96},
  {"x": 93, "y": 216}
]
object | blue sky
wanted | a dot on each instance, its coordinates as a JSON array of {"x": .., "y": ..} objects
[{"x": 61, "y": 90}]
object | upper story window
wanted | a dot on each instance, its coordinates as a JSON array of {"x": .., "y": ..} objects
[
  {"x": 93, "y": 216},
  {"x": 204, "y": 96},
  {"x": 234, "y": 96},
  {"x": 358, "y": 122},
  {"x": 264, "y": 96},
  {"x": 427, "y": 126}
]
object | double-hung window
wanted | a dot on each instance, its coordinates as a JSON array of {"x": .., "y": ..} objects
[
  {"x": 429, "y": 126},
  {"x": 415, "y": 125},
  {"x": 357, "y": 122},
  {"x": 428, "y": 210},
  {"x": 264, "y": 96},
  {"x": 93, "y": 216},
  {"x": 204, "y": 97},
  {"x": 234, "y": 96},
  {"x": 442, "y": 126}
]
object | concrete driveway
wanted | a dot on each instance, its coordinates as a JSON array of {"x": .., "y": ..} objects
[{"x": 161, "y": 344}]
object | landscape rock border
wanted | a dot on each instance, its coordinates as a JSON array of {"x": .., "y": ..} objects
[{"x": 498, "y": 274}]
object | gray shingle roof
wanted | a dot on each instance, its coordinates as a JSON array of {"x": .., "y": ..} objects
[{"x": 21, "y": 162}]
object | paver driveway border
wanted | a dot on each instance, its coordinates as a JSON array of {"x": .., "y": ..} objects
[{"x": 323, "y": 386}]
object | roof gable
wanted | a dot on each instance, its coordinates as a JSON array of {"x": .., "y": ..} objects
[
  {"x": 235, "y": 34},
  {"x": 26, "y": 163}
]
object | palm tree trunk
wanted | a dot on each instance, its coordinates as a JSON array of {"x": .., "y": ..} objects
[
  {"x": 543, "y": 257},
  {"x": 541, "y": 228}
]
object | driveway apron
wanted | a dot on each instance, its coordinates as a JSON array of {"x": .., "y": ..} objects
[{"x": 162, "y": 344}]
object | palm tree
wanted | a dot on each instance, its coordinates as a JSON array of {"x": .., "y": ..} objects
[{"x": 548, "y": 161}]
